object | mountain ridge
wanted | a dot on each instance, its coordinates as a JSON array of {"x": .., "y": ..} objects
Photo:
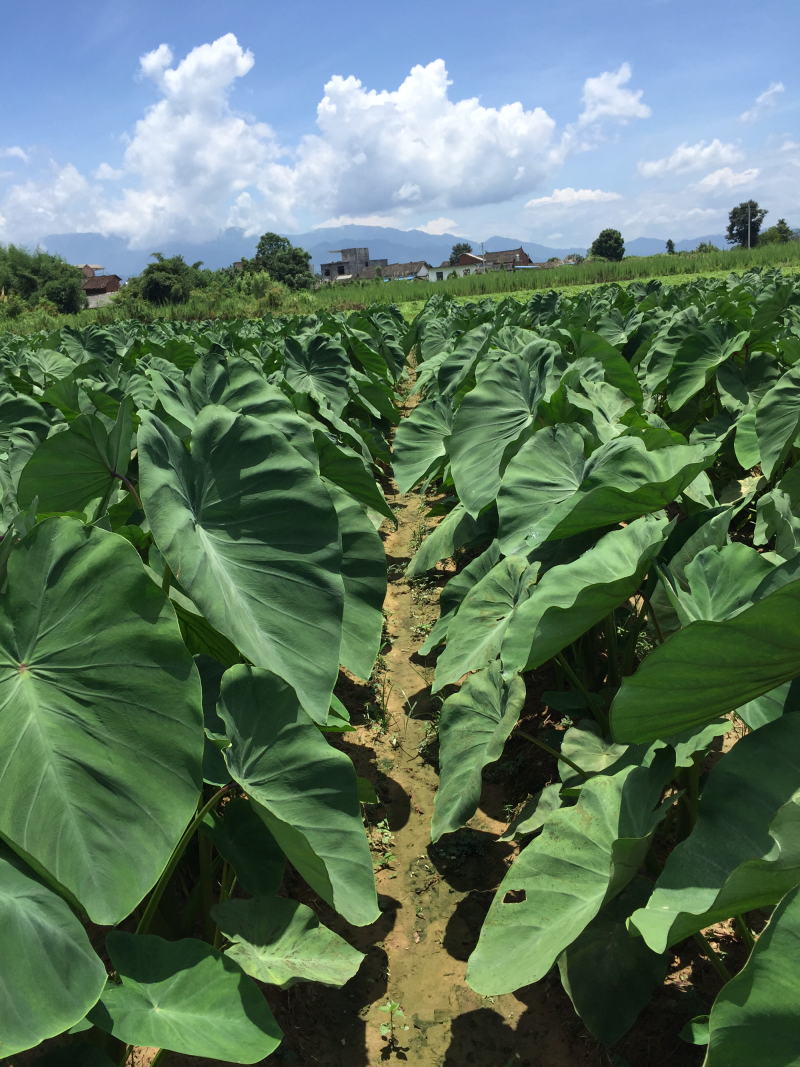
[{"x": 384, "y": 242}]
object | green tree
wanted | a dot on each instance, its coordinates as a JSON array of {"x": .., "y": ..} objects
[
  {"x": 780, "y": 233},
  {"x": 609, "y": 245},
  {"x": 738, "y": 224},
  {"x": 36, "y": 276},
  {"x": 168, "y": 281},
  {"x": 284, "y": 263},
  {"x": 670, "y": 247},
  {"x": 459, "y": 249},
  {"x": 706, "y": 246}
]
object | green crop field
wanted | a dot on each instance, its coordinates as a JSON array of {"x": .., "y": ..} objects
[{"x": 196, "y": 522}]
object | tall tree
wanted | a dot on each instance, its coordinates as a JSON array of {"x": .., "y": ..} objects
[
  {"x": 670, "y": 247},
  {"x": 459, "y": 249},
  {"x": 780, "y": 233},
  {"x": 609, "y": 245},
  {"x": 284, "y": 263},
  {"x": 739, "y": 225}
]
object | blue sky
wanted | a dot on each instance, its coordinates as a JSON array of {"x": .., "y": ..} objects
[{"x": 544, "y": 121}]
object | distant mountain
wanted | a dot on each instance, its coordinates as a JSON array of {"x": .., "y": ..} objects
[
  {"x": 384, "y": 242},
  {"x": 654, "y": 246}
]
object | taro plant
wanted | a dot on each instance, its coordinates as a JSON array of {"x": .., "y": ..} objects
[
  {"x": 623, "y": 468},
  {"x": 189, "y": 553}
]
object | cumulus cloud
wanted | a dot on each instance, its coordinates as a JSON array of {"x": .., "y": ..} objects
[
  {"x": 605, "y": 97},
  {"x": 689, "y": 157},
  {"x": 569, "y": 196},
  {"x": 789, "y": 146},
  {"x": 414, "y": 147},
  {"x": 437, "y": 227},
  {"x": 764, "y": 102},
  {"x": 62, "y": 199},
  {"x": 14, "y": 152},
  {"x": 106, "y": 173},
  {"x": 194, "y": 164},
  {"x": 725, "y": 178}
]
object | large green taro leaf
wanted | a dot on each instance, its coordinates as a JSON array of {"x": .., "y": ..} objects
[
  {"x": 420, "y": 441},
  {"x": 721, "y": 581},
  {"x": 249, "y": 530},
  {"x": 698, "y": 357},
  {"x": 234, "y": 384},
  {"x": 709, "y": 668},
  {"x": 364, "y": 576},
  {"x": 494, "y": 415},
  {"x": 608, "y": 974},
  {"x": 49, "y": 973},
  {"x": 454, "y": 592},
  {"x": 778, "y": 421},
  {"x": 455, "y": 530},
  {"x": 756, "y": 1017},
  {"x": 101, "y": 730},
  {"x": 184, "y": 996},
  {"x": 77, "y": 465},
  {"x": 344, "y": 467},
  {"x": 280, "y": 941},
  {"x": 744, "y": 851},
  {"x": 304, "y": 790},
  {"x": 244, "y": 841},
  {"x": 475, "y": 635},
  {"x": 616, "y": 369},
  {"x": 18, "y": 412},
  {"x": 473, "y": 728},
  {"x": 316, "y": 364},
  {"x": 574, "y": 596},
  {"x": 550, "y": 491},
  {"x": 584, "y": 856}
]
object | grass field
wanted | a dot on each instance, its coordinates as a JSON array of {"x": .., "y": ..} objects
[{"x": 410, "y": 296}]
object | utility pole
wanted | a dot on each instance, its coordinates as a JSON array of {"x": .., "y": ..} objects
[
  {"x": 483, "y": 262},
  {"x": 748, "y": 224}
]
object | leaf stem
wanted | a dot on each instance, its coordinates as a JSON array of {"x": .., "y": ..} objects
[
  {"x": 745, "y": 932},
  {"x": 136, "y": 497},
  {"x": 612, "y": 653},
  {"x": 554, "y": 752},
  {"x": 180, "y": 848},
  {"x": 714, "y": 957},
  {"x": 654, "y": 617},
  {"x": 600, "y": 715},
  {"x": 159, "y": 1057}
]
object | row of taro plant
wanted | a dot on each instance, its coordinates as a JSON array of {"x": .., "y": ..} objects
[
  {"x": 624, "y": 467},
  {"x": 189, "y": 552}
]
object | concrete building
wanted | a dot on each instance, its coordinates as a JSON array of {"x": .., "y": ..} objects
[
  {"x": 470, "y": 263},
  {"x": 353, "y": 263}
]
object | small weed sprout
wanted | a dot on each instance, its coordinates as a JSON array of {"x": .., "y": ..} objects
[{"x": 395, "y": 1013}]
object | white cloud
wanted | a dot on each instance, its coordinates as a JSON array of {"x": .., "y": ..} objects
[
  {"x": 436, "y": 227},
  {"x": 727, "y": 178},
  {"x": 553, "y": 236},
  {"x": 766, "y": 100},
  {"x": 106, "y": 173},
  {"x": 14, "y": 152},
  {"x": 416, "y": 148},
  {"x": 789, "y": 146},
  {"x": 569, "y": 196},
  {"x": 689, "y": 157},
  {"x": 62, "y": 200},
  {"x": 605, "y": 97},
  {"x": 360, "y": 220}
]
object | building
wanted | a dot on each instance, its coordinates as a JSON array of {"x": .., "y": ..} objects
[
  {"x": 98, "y": 287},
  {"x": 416, "y": 271},
  {"x": 470, "y": 263},
  {"x": 353, "y": 263}
]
